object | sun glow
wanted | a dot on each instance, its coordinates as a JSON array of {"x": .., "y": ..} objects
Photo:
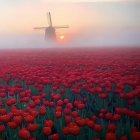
[{"x": 61, "y": 37}]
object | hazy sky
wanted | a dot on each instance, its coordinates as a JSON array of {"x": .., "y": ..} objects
[{"x": 93, "y": 22}]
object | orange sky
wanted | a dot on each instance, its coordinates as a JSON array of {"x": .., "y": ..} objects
[{"x": 21, "y": 17}]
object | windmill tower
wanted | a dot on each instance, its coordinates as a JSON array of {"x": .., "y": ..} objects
[{"x": 50, "y": 30}]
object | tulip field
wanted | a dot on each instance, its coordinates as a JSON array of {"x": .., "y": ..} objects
[{"x": 70, "y": 94}]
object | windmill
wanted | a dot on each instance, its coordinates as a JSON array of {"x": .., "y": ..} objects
[{"x": 50, "y": 30}]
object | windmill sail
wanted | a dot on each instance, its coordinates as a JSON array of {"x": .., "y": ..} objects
[
  {"x": 61, "y": 26},
  {"x": 36, "y": 28},
  {"x": 49, "y": 19}
]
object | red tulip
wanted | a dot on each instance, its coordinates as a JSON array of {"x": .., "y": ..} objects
[
  {"x": 43, "y": 95},
  {"x": 68, "y": 119},
  {"x": 59, "y": 102},
  {"x": 111, "y": 136},
  {"x": 16, "y": 112},
  {"x": 58, "y": 108},
  {"x": 32, "y": 127},
  {"x": 134, "y": 129},
  {"x": 99, "y": 90},
  {"x": 2, "y": 128},
  {"x": 32, "y": 138},
  {"x": 108, "y": 116},
  {"x": 66, "y": 101},
  {"x": 94, "y": 118},
  {"x": 118, "y": 111},
  {"x": 34, "y": 113},
  {"x": 75, "y": 114},
  {"x": 123, "y": 138},
  {"x": 66, "y": 130},
  {"x": 11, "y": 93},
  {"x": 136, "y": 135},
  {"x": 47, "y": 131},
  {"x": 49, "y": 123},
  {"x": 37, "y": 101},
  {"x": 24, "y": 134},
  {"x": 116, "y": 117},
  {"x": 67, "y": 111},
  {"x": 42, "y": 110},
  {"x": 12, "y": 125},
  {"x": 3, "y": 111},
  {"x": 17, "y": 120},
  {"x": 103, "y": 95},
  {"x": 62, "y": 91},
  {"x": 81, "y": 106},
  {"x": 51, "y": 104},
  {"x": 5, "y": 118},
  {"x": 3, "y": 95},
  {"x": 1, "y": 103},
  {"x": 22, "y": 94},
  {"x": 98, "y": 128},
  {"x": 46, "y": 103},
  {"x": 101, "y": 115},
  {"x": 137, "y": 116},
  {"x": 103, "y": 111},
  {"x": 32, "y": 104},
  {"x": 112, "y": 128},
  {"x": 58, "y": 114},
  {"x": 55, "y": 137},
  {"x": 81, "y": 122},
  {"x": 29, "y": 119},
  {"x": 69, "y": 105},
  {"x": 90, "y": 123},
  {"x": 75, "y": 130}
]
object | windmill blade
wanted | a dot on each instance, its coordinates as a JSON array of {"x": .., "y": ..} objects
[
  {"x": 61, "y": 26},
  {"x": 49, "y": 19},
  {"x": 39, "y": 28}
]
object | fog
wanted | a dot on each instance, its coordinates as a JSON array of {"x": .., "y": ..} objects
[
  {"x": 87, "y": 41},
  {"x": 92, "y": 24}
]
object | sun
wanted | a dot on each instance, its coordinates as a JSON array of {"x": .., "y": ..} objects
[{"x": 61, "y": 37}]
